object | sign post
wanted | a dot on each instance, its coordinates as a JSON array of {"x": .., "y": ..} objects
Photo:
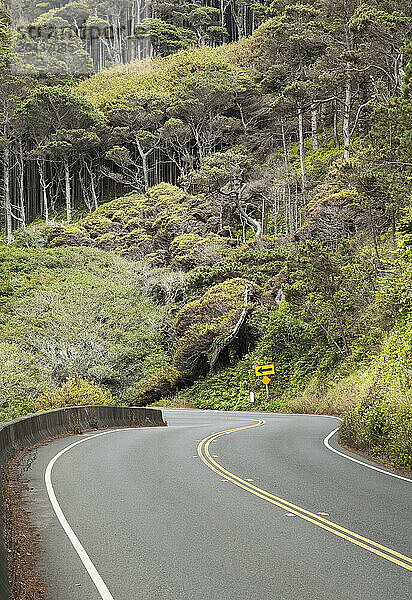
[{"x": 263, "y": 371}]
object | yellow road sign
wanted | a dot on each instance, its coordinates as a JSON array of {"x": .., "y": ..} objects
[
  {"x": 266, "y": 380},
  {"x": 265, "y": 370}
]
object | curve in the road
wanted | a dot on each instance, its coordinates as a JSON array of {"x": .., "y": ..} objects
[
  {"x": 203, "y": 452},
  {"x": 350, "y": 536}
]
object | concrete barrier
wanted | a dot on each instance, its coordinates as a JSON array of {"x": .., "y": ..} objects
[{"x": 27, "y": 431}]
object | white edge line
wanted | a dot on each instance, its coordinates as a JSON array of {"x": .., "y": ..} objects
[
  {"x": 360, "y": 462},
  {"x": 84, "y": 557}
]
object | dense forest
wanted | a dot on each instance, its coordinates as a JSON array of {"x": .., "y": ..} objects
[{"x": 193, "y": 188}]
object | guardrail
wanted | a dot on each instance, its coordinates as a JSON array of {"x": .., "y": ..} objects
[{"x": 27, "y": 431}]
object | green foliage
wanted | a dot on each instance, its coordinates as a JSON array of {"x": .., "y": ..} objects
[
  {"x": 61, "y": 51},
  {"x": 191, "y": 250},
  {"x": 163, "y": 227},
  {"x": 407, "y": 82},
  {"x": 202, "y": 325},
  {"x": 77, "y": 312},
  {"x": 23, "y": 377},
  {"x": 37, "y": 235},
  {"x": 165, "y": 37},
  {"x": 162, "y": 78},
  {"x": 318, "y": 162},
  {"x": 381, "y": 427},
  {"x": 330, "y": 299},
  {"x": 74, "y": 392},
  {"x": 163, "y": 382},
  {"x": 229, "y": 390},
  {"x": 245, "y": 261},
  {"x": 381, "y": 423},
  {"x": 70, "y": 235}
]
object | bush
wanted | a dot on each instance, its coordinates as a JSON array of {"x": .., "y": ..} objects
[
  {"x": 34, "y": 236},
  {"x": 162, "y": 383},
  {"x": 381, "y": 423},
  {"x": 191, "y": 250},
  {"x": 202, "y": 325},
  {"x": 230, "y": 390},
  {"x": 23, "y": 377},
  {"x": 68, "y": 235},
  {"x": 75, "y": 392},
  {"x": 381, "y": 428}
]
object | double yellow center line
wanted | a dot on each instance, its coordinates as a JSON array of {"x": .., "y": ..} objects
[{"x": 378, "y": 549}]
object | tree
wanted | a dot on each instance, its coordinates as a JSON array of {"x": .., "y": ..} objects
[
  {"x": 138, "y": 123},
  {"x": 165, "y": 38},
  {"x": 227, "y": 175}
]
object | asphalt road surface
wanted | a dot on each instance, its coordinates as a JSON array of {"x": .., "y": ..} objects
[{"x": 262, "y": 511}]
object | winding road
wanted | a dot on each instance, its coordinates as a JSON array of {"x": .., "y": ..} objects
[{"x": 218, "y": 506}]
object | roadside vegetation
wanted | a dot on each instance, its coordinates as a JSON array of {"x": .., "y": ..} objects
[{"x": 70, "y": 316}]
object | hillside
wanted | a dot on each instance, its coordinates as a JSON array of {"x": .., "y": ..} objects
[{"x": 340, "y": 338}]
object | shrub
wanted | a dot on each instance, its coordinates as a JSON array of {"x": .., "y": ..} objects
[
  {"x": 75, "y": 392},
  {"x": 23, "y": 377},
  {"x": 202, "y": 325},
  {"x": 381, "y": 423},
  {"x": 163, "y": 382},
  {"x": 144, "y": 226},
  {"x": 79, "y": 311},
  {"x": 191, "y": 250},
  {"x": 35, "y": 236},
  {"x": 68, "y": 235}
]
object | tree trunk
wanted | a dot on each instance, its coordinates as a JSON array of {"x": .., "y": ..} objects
[
  {"x": 276, "y": 210},
  {"x": 22, "y": 203},
  {"x": 302, "y": 150},
  {"x": 335, "y": 125},
  {"x": 346, "y": 119},
  {"x": 315, "y": 140},
  {"x": 286, "y": 163},
  {"x": 95, "y": 199},
  {"x": 43, "y": 186},
  {"x": 145, "y": 165},
  {"x": 67, "y": 190},
  {"x": 93, "y": 190},
  {"x": 264, "y": 215},
  {"x": 323, "y": 119},
  {"x": 325, "y": 331},
  {"x": 253, "y": 223},
  {"x": 7, "y": 197},
  {"x": 84, "y": 190}
]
